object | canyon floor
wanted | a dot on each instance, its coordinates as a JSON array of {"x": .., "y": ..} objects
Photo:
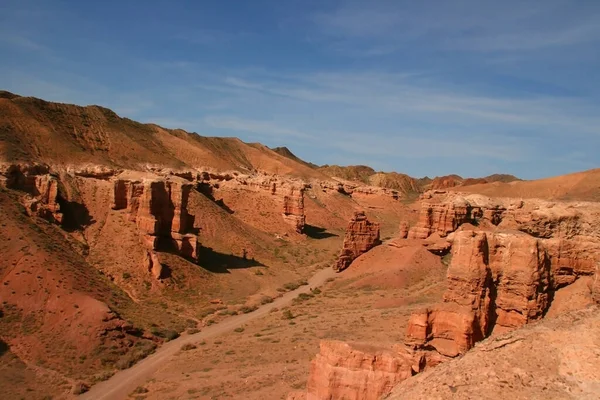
[{"x": 266, "y": 354}]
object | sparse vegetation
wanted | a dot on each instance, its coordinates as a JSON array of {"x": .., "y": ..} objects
[
  {"x": 140, "y": 350},
  {"x": 287, "y": 314},
  {"x": 248, "y": 309},
  {"x": 188, "y": 346},
  {"x": 239, "y": 329}
]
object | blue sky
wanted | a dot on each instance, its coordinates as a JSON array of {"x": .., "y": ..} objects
[{"x": 472, "y": 87}]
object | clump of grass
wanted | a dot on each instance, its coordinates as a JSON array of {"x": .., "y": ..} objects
[
  {"x": 188, "y": 346},
  {"x": 140, "y": 350},
  {"x": 305, "y": 296},
  {"x": 266, "y": 300},
  {"x": 287, "y": 314},
  {"x": 239, "y": 329},
  {"x": 248, "y": 309},
  {"x": 193, "y": 331},
  {"x": 316, "y": 291},
  {"x": 140, "y": 390},
  {"x": 167, "y": 334},
  {"x": 291, "y": 286}
]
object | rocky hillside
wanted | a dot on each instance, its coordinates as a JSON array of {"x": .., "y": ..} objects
[
  {"x": 554, "y": 359},
  {"x": 34, "y": 130},
  {"x": 511, "y": 262}
]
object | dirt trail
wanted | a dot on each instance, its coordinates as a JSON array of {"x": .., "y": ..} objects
[{"x": 120, "y": 385}]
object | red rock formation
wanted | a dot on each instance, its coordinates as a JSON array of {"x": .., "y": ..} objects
[
  {"x": 361, "y": 236},
  {"x": 357, "y": 372},
  {"x": 152, "y": 264},
  {"x": 293, "y": 208},
  {"x": 496, "y": 282},
  {"x": 41, "y": 187},
  {"x": 403, "y": 231},
  {"x": 441, "y": 218},
  {"x": 159, "y": 209}
]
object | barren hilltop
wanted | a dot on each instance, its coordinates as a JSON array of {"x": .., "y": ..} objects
[{"x": 158, "y": 263}]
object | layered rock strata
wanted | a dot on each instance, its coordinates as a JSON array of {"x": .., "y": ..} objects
[
  {"x": 159, "y": 209},
  {"x": 293, "y": 208},
  {"x": 358, "y": 372},
  {"x": 361, "y": 236},
  {"x": 496, "y": 282}
]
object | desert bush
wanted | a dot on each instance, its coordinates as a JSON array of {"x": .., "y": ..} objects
[
  {"x": 291, "y": 286},
  {"x": 305, "y": 296},
  {"x": 140, "y": 390},
  {"x": 188, "y": 346},
  {"x": 287, "y": 314},
  {"x": 248, "y": 309},
  {"x": 167, "y": 334},
  {"x": 316, "y": 291},
  {"x": 239, "y": 329},
  {"x": 140, "y": 350},
  {"x": 266, "y": 300}
]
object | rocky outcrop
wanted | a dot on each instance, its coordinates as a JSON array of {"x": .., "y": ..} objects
[
  {"x": 403, "y": 230},
  {"x": 361, "y": 236},
  {"x": 293, "y": 208},
  {"x": 496, "y": 282},
  {"x": 159, "y": 209},
  {"x": 441, "y": 218},
  {"x": 152, "y": 264},
  {"x": 556, "y": 358},
  {"x": 40, "y": 186},
  {"x": 358, "y": 372}
]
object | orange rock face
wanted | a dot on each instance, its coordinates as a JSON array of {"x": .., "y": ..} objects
[
  {"x": 159, "y": 209},
  {"x": 41, "y": 187},
  {"x": 403, "y": 231},
  {"x": 354, "y": 372},
  {"x": 496, "y": 282},
  {"x": 293, "y": 208},
  {"x": 361, "y": 236},
  {"x": 440, "y": 218}
]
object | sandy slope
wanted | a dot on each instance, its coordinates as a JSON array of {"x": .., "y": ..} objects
[{"x": 122, "y": 383}]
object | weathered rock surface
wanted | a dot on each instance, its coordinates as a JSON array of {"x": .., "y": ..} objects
[
  {"x": 441, "y": 218},
  {"x": 361, "y": 236},
  {"x": 38, "y": 183},
  {"x": 293, "y": 208},
  {"x": 159, "y": 209},
  {"x": 554, "y": 359},
  {"x": 353, "y": 372},
  {"x": 403, "y": 230},
  {"x": 496, "y": 282}
]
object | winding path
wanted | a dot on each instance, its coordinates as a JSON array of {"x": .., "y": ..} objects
[{"x": 120, "y": 385}]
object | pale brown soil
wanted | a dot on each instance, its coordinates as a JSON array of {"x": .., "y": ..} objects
[{"x": 268, "y": 356}]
